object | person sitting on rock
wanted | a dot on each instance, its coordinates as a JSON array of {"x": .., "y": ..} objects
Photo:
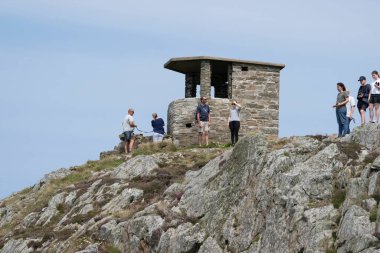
[
  {"x": 158, "y": 128},
  {"x": 128, "y": 127}
]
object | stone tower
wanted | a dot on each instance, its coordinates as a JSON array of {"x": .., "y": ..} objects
[{"x": 255, "y": 85}]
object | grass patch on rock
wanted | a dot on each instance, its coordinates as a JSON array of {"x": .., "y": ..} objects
[
  {"x": 338, "y": 198},
  {"x": 153, "y": 148}
]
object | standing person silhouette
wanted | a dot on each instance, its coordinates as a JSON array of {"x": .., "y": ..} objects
[
  {"x": 128, "y": 127},
  {"x": 204, "y": 120},
  {"x": 234, "y": 121},
  {"x": 374, "y": 100},
  {"x": 341, "y": 110}
]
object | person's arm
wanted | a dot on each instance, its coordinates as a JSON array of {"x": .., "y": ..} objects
[
  {"x": 238, "y": 105},
  {"x": 369, "y": 96},
  {"x": 198, "y": 118},
  {"x": 352, "y": 111},
  {"x": 209, "y": 117},
  {"x": 132, "y": 123}
]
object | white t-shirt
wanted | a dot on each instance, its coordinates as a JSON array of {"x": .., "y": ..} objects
[
  {"x": 126, "y": 123},
  {"x": 350, "y": 104},
  {"x": 375, "y": 90},
  {"x": 235, "y": 113}
]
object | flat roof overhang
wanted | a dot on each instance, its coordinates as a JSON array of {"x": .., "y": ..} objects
[{"x": 193, "y": 64}]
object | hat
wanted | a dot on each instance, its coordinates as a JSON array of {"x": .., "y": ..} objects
[{"x": 361, "y": 78}]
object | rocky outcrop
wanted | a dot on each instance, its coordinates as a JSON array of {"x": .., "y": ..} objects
[{"x": 299, "y": 194}]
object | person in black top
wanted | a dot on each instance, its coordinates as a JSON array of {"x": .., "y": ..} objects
[
  {"x": 158, "y": 128},
  {"x": 363, "y": 94},
  {"x": 203, "y": 119}
]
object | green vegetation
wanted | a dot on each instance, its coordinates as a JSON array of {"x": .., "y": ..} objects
[
  {"x": 110, "y": 249},
  {"x": 338, "y": 198},
  {"x": 257, "y": 238},
  {"x": 152, "y": 148},
  {"x": 331, "y": 251},
  {"x": 370, "y": 158},
  {"x": 373, "y": 214}
]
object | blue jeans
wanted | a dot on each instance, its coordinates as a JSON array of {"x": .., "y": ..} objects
[{"x": 341, "y": 117}]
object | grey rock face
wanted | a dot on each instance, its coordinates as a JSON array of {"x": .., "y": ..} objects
[
  {"x": 259, "y": 196},
  {"x": 19, "y": 246},
  {"x": 137, "y": 167}
]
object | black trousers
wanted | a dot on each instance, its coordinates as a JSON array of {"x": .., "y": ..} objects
[{"x": 234, "y": 128}]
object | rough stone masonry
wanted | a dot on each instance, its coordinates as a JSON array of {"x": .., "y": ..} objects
[{"x": 255, "y": 85}]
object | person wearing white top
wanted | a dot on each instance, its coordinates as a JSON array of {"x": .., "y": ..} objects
[
  {"x": 350, "y": 110},
  {"x": 128, "y": 127},
  {"x": 234, "y": 121},
  {"x": 374, "y": 97}
]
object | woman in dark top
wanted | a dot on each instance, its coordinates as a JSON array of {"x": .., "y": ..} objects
[
  {"x": 341, "y": 110},
  {"x": 158, "y": 128}
]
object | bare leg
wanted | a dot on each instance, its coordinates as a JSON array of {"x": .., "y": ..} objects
[
  {"x": 370, "y": 112},
  {"x": 131, "y": 145},
  {"x": 200, "y": 139},
  {"x": 377, "y": 112},
  {"x": 362, "y": 116},
  {"x": 206, "y": 138},
  {"x": 126, "y": 147}
]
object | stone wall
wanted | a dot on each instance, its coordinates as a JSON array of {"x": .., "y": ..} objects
[
  {"x": 257, "y": 90},
  {"x": 183, "y": 127}
]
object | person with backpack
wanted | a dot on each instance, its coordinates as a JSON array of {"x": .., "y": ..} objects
[
  {"x": 128, "y": 127},
  {"x": 374, "y": 97},
  {"x": 340, "y": 109},
  {"x": 204, "y": 120},
  {"x": 363, "y": 95},
  {"x": 158, "y": 128},
  {"x": 234, "y": 121}
]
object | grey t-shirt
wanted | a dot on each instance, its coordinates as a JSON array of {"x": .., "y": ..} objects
[
  {"x": 341, "y": 97},
  {"x": 235, "y": 114}
]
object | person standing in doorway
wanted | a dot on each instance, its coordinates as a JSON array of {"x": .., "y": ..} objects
[
  {"x": 128, "y": 127},
  {"x": 363, "y": 94},
  {"x": 234, "y": 121},
  {"x": 350, "y": 107},
  {"x": 340, "y": 109},
  {"x": 158, "y": 128},
  {"x": 204, "y": 120},
  {"x": 374, "y": 98}
]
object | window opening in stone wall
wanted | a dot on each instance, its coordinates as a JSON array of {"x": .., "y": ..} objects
[
  {"x": 212, "y": 94},
  {"x": 198, "y": 94},
  {"x": 244, "y": 68}
]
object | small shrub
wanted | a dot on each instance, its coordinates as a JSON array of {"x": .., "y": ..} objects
[
  {"x": 373, "y": 214},
  {"x": 331, "y": 251},
  {"x": 110, "y": 249},
  {"x": 338, "y": 198},
  {"x": 82, "y": 218},
  {"x": 61, "y": 208},
  {"x": 257, "y": 238},
  {"x": 370, "y": 158}
]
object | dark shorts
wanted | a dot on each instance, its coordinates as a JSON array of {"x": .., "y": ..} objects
[
  {"x": 362, "y": 105},
  {"x": 375, "y": 99},
  {"x": 128, "y": 135}
]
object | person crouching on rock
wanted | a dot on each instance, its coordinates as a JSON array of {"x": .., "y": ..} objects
[
  {"x": 128, "y": 127},
  {"x": 341, "y": 110},
  {"x": 158, "y": 128}
]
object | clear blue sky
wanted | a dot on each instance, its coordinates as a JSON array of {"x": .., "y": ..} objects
[{"x": 69, "y": 69}]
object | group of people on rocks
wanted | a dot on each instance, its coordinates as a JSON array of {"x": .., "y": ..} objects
[
  {"x": 203, "y": 120},
  {"x": 368, "y": 97}
]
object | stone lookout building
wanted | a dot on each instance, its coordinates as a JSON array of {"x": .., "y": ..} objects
[{"x": 255, "y": 85}]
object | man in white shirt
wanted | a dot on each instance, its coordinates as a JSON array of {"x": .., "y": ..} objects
[
  {"x": 374, "y": 97},
  {"x": 350, "y": 110},
  {"x": 128, "y": 127}
]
